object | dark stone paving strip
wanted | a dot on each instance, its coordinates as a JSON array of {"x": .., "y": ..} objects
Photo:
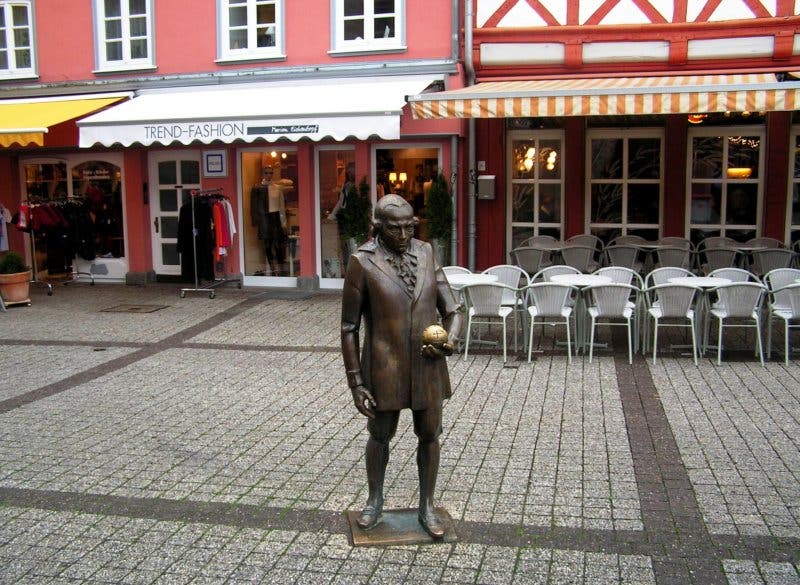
[
  {"x": 64, "y": 343},
  {"x": 670, "y": 512},
  {"x": 274, "y": 518},
  {"x": 126, "y": 360}
]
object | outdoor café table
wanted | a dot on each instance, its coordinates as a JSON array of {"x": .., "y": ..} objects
[
  {"x": 704, "y": 283},
  {"x": 580, "y": 281}
]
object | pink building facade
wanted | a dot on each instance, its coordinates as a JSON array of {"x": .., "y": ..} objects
[{"x": 269, "y": 105}]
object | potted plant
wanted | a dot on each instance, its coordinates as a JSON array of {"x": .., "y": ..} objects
[
  {"x": 15, "y": 279},
  {"x": 439, "y": 218},
  {"x": 356, "y": 214}
]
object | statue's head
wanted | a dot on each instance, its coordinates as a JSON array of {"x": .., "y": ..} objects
[{"x": 394, "y": 222}]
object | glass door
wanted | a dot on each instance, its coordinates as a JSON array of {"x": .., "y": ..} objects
[
  {"x": 335, "y": 166},
  {"x": 173, "y": 175}
]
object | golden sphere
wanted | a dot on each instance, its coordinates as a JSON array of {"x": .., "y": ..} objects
[{"x": 434, "y": 335}]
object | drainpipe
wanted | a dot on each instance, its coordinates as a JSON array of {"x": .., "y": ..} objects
[
  {"x": 454, "y": 197},
  {"x": 470, "y": 70}
]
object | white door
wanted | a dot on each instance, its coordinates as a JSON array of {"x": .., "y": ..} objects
[{"x": 173, "y": 174}]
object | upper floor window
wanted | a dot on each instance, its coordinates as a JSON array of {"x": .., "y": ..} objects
[
  {"x": 124, "y": 34},
  {"x": 16, "y": 40},
  {"x": 251, "y": 29},
  {"x": 368, "y": 25}
]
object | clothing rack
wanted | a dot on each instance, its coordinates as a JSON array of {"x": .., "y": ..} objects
[{"x": 209, "y": 288}]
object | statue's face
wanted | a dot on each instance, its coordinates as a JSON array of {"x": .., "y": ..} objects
[{"x": 397, "y": 228}]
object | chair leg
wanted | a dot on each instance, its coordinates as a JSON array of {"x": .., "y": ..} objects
[
  {"x": 630, "y": 343},
  {"x": 786, "y": 342},
  {"x": 530, "y": 341},
  {"x": 504, "y": 340},
  {"x": 655, "y": 340},
  {"x": 591, "y": 341},
  {"x": 769, "y": 337},
  {"x": 466, "y": 342},
  {"x": 758, "y": 341},
  {"x": 569, "y": 344},
  {"x": 695, "y": 350},
  {"x": 719, "y": 344}
]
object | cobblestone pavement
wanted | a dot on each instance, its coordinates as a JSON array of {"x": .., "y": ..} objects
[{"x": 214, "y": 441}]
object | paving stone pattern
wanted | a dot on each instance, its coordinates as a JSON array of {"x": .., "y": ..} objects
[{"x": 214, "y": 441}]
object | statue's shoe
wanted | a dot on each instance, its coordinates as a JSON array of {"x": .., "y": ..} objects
[
  {"x": 432, "y": 524},
  {"x": 369, "y": 517}
]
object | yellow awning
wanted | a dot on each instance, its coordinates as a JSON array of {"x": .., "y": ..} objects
[
  {"x": 611, "y": 96},
  {"x": 26, "y": 121}
]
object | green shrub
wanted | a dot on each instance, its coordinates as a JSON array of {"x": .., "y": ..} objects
[
  {"x": 12, "y": 263},
  {"x": 439, "y": 210},
  {"x": 357, "y": 212}
]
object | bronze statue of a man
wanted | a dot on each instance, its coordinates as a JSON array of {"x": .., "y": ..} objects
[{"x": 394, "y": 283}]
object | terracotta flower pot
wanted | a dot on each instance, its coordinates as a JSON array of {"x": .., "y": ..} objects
[{"x": 15, "y": 287}]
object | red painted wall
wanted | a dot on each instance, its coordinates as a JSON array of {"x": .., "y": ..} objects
[
  {"x": 675, "y": 152},
  {"x": 186, "y": 39},
  {"x": 490, "y": 214},
  {"x": 776, "y": 179}
]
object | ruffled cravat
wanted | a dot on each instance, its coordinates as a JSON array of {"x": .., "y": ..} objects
[{"x": 406, "y": 267}]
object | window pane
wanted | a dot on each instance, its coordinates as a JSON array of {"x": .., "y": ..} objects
[
  {"x": 238, "y": 39},
  {"x": 237, "y": 16},
  {"x": 643, "y": 203},
  {"x": 519, "y": 235},
  {"x": 169, "y": 227},
  {"x": 114, "y": 51},
  {"x": 550, "y": 231},
  {"x": 19, "y": 15},
  {"x": 384, "y": 28},
  {"x": 2, "y": 18},
  {"x": 190, "y": 171},
  {"x": 644, "y": 158},
  {"x": 169, "y": 254},
  {"x": 607, "y": 158},
  {"x": 743, "y": 153},
  {"x": 113, "y": 8},
  {"x": 265, "y": 14},
  {"x": 796, "y": 204},
  {"x": 384, "y": 6},
  {"x": 139, "y": 49},
  {"x": 741, "y": 235},
  {"x": 524, "y": 159},
  {"x": 2, "y": 39},
  {"x": 21, "y": 38},
  {"x": 167, "y": 174},
  {"x": 353, "y": 29},
  {"x": 3, "y": 59},
  {"x": 23, "y": 58},
  {"x": 265, "y": 36},
  {"x": 113, "y": 29},
  {"x": 549, "y": 159},
  {"x": 353, "y": 7},
  {"x": 168, "y": 199},
  {"x": 606, "y": 203},
  {"x": 522, "y": 203},
  {"x": 707, "y": 157},
  {"x": 136, "y": 7},
  {"x": 550, "y": 203},
  {"x": 706, "y": 203},
  {"x": 742, "y": 203},
  {"x": 138, "y": 27}
]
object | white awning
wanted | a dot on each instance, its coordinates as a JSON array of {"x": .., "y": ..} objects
[
  {"x": 337, "y": 108},
  {"x": 680, "y": 94}
]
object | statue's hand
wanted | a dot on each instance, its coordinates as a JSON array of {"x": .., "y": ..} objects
[
  {"x": 364, "y": 401},
  {"x": 434, "y": 352}
]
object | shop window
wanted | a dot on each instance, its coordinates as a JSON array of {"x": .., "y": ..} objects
[
  {"x": 624, "y": 183},
  {"x": 251, "y": 29},
  {"x": 336, "y": 166},
  {"x": 124, "y": 33},
  {"x": 536, "y": 186},
  {"x": 368, "y": 25},
  {"x": 16, "y": 40},
  {"x": 725, "y": 183},
  {"x": 271, "y": 208}
]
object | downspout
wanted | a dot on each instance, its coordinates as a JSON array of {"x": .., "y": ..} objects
[
  {"x": 454, "y": 48},
  {"x": 470, "y": 71}
]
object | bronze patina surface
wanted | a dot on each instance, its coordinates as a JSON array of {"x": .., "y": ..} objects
[{"x": 397, "y": 528}]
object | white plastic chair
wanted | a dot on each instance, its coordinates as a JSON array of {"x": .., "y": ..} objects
[
  {"x": 448, "y": 270},
  {"x": 766, "y": 260},
  {"x": 531, "y": 258},
  {"x": 548, "y": 301},
  {"x": 624, "y": 255},
  {"x": 533, "y": 240},
  {"x": 673, "y": 256},
  {"x": 735, "y": 274},
  {"x": 662, "y": 275},
  {"x": 515, "y": 278},
  {"x": 765, "y": 241},
  {"x": 485, "y": 305},
  {"x": 586, "y": 240},
  {"x": 716, "y": 242},
  {"x": 710, "y": 259},
  {"x": 741, "y": 302},
  {"x": 546, "y": 274},
  {"x": 612, "y": 302},
  {"x": 580, "y": 257},
  {"x": 627, "y": 239},
  {"x": 677, "y": 242},
  {"x": 784, "y": 305},
  {"x": 674, "y": 302}
]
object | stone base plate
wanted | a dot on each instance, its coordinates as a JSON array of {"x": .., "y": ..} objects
[{"x": 398, "y": 527}]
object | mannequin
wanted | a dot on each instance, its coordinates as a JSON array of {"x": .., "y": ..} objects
[{"x": 268, "y": 213}]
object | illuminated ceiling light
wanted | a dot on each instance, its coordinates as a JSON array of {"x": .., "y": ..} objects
[
  {"x": 745, "y": 114},
  {"x": 530, "y": 153},
  {"x": 283, "y": 155},
  {"x": 696, "y": 118},
  {"x": 528, "y": 164},
  {"x": 393, "y": 177},
  {"x": 273, "y": 154},
  {"x": 739, "y": 172}
]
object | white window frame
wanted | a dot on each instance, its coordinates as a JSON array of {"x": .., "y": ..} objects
[
  {"x": 624, "y": 134},
  {"x": 538, "y": 136},
  {"x": 12, "y": 71},
  {"x": 794, "y": 182},
  {"x": 369, "y": 44},
  {"x": 726, "y": 131},
  {"x": 252, "y": 51},
  {"x": 127, "y": 63}
]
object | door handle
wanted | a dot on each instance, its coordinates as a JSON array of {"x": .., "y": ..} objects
[{"x": 155, "y": 224}]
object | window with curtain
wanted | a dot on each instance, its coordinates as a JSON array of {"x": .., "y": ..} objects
[
  {"x": 251, "y": 29},
  {"x": 16, "y": 40},
  {"x": 624, "y": 178},
  {"x": 124, "y": 30},
  {"x": 368, "y": 25}
]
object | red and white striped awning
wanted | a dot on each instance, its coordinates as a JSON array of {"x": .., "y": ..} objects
[{"x": 611, "y": 96}]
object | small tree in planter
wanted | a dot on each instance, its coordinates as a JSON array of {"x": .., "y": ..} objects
[
  {"x": 356, "y": 214},
  {"x": 439, "y": 216},
  {"x": 15, "y": 279}
]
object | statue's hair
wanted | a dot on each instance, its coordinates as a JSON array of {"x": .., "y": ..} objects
[{"x": 382, "y": 210}]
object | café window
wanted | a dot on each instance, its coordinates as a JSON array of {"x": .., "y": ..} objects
[
  {"x": 124, "y": 33},
  {"x": 251, "y": 29},
  {"x": 17, "y": 58},
  {"x": 724, "y": 196},
  {"x": 624, "y": 175},
  {"x": 368, "y": 25},
  {"x": 794, "y": 188},
  {"x": 536, "y": 184}
]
